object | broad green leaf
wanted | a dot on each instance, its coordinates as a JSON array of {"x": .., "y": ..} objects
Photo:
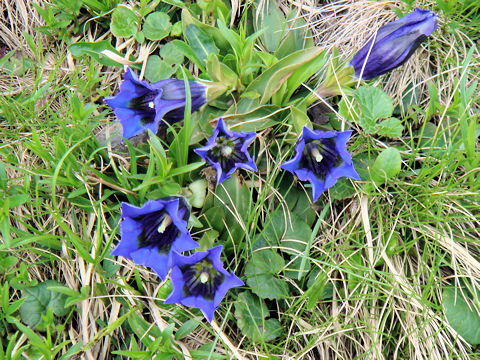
[
  {"x": 298, "y": 119},
  {"x": 297, "y": 35},
  {"x": 349, "y": 109},
  {"x": 272, "y": 21},
  {"x": 257, "y": 119},
  {"x": 157, "y": 26},
  {"x": 94, "y": 49},
  {"x": 304, "y": 72},
  {"x": 261, "y": 271},
  {"x": 274, "y": 227},
  {"x": 38, "y": 299},
  {"x": 215, "y": 217},
  {"x": 234, "y": 198},
  {"x": 319, "y": 288},
  {"x": 214, "y": 33},
  {"x": 343, "y": 189},
  {"x": 208, "y": 239},
  {"x": 462, "y": 315},
  {"x": 374, "y": 104},
  {"x": 297, "y": 235},
  {"x": 170, "y": 53},
  {"x": 187, "y": 51},
  {"x": 18, "y": 199},
  {"x": 391, "y": 127},
  {"x": 124, "y": 22},
  {"x": 177, "y": 29},
  {"x": 196, "y": 193},
  {"x": 251, "y": 313},
  {"x": 201, "y": 43},
  {"x": 302, "y": 205},
  {"x": 386, "y": 166},
  {"x": 294, "y": 269},
  {"x": 232, "y": 37},
  {"x": 187, "y": 328},
  {"x": 3, "y": 177},
  {"x": 220, "y": 72},
  {"x": 288, "y": 230},
  {"x": 157, "y": 69},
  {"x": 273, "y": 78}
]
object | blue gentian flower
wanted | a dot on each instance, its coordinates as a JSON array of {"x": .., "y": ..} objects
[
  {"x": 227, "y": 150},
  {"x": 151, "y": 233},
  {"x": 140, "y": 105},
  {"x": 394, "y": 43},
  {"x": 321, "y": 157},
  {"x": 200, "y": 281}
]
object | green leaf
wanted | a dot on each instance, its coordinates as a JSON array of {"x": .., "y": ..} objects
[
  {"x": 38, "y": 299},
  {"x": 157, "y": 69},
  {"x": 461, "y": 314},
  {"x": 196, "y": 193},
  {"x": 297, "y": 235},
  {"x": 386, "y": 166},
  {"x": 18, "y": 199},
  {"x": 298, "y": 119},
  {"x": 272, "y": 21},
  {"x": 124, "y": 22},
  {"x": 303, "y": 73},
  {"x": 261, "y": 271},
  {"x": 3, "y": 177},
  {"x": 187, "y": 328},
  {"x": 213, "y": 32},
  {"x": 235, "y": 199},
  {"x": 374, "y": 104},
  {"x": 157, "y": 26},
  {"x": 94, "y": 49},
  {"x": 220, "y": 73},
  {"x": 391, "y": 127},
  {"x": 251, "y": 313},
  {"x": 170, "y": 53},
  {"x": 187, "y": 50},
  {"x": 297, "y": 35},
  {"x": 273, "y": 78},
  {"x": 343, "y": 189},
  {"x": 256, "y": 119},
  {"x": 215, "y": 217},
  {"x": 201, "y": 43}
]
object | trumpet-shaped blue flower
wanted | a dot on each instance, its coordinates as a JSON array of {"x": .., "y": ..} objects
[
  {"x": 321, "y": 157},
  {"x": 227, "y": 150},
  {"x": 200, "y": 281},
  {"x": 393, "y": 44},
  {"x": 151, "y": 233},
  {"x": 140, "y": 105}
]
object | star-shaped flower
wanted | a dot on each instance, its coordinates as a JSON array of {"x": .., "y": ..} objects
[
  {"x": 321, "y": 157},
  {"x": 200, "y": 281},
  {"x": 140, "y": 105},
  {"x": 151, "y": 233},
  {"x": 227, "y": 150}
]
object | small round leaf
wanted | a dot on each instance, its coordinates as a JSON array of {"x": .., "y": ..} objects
[
  {"x": 124, "y": 22},
  {"x": 157, "y": 26}
]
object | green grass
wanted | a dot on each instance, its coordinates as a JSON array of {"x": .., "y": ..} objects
[{"x": 374, "y": 275}]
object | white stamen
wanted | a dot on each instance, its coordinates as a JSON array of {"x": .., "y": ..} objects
[
  {"x": 167, "y": 220},
  {"x": 151, "y": 105},
  {"x": 316, "y": 154},
  {"x": 227, "y": 151},
  {"x": 204, "y": 277}
]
